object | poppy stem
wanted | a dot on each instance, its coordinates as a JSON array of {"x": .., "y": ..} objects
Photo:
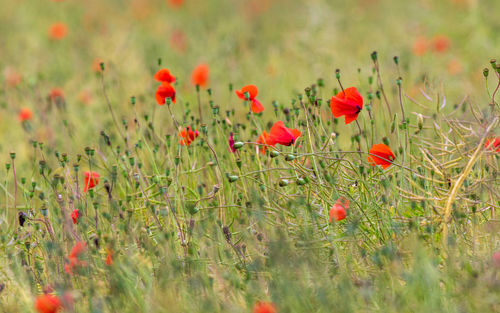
[
  {"x": 199, "y": 103},
  {"x": 381, "y": 86},
  {"x": 110, "y": 108}
]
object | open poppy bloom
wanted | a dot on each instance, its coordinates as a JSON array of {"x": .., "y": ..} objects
[
  {"x": 25, "y": 114},
  {"x": 48, "y": 303},
  {"x": 440, "y": 43},
  {"x": 283, "y": 135},
  {"x": 382, "y": 155},
  {"x": 75, "y": 215},
  {"x": 199, "y": 77},
  {"x": 165, "y": 90},
  {"x": 76, "y": 251},
  {"x": 164, "y": 76},
  {"x": 251, "y": 91},
  {"x": 338, "y": 210},
  {"x": 263, "y": 140},
  {"x": 348, "y": 103},
  {"x": 493, "y": 144},
  {"x": 420, "y": 46},
  {"x": 58, "y": 31},
  {"x": 264, "y": 307},
  {"x": 109, "y": 257},
  {"x": 187, "y": 136},
  {"x": 91, "y": 180}
]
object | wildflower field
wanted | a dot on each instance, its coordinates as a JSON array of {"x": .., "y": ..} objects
[{"x": 262, "y": 156}]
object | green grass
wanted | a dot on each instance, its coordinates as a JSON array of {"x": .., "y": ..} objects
[{"x": 200, "y": 229}]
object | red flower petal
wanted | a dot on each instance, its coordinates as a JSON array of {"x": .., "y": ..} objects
[
  {"x": 251, "y": 89},
  {"x": 381, "y": 155},
  {"x": 348, "y": 103}
]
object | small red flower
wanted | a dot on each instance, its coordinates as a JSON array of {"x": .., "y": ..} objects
[
  {"x": 58, "y": 31},
  {"x": 164, "y": 76},
  {"x": 420, "y": 46},
  {"x": 263, "y": 140},
  {"x": 382, "y": 155},
  {"x": 109, "y": 257},
  {"x": 75, "y": 215},
  {"x": 493, "y": 144},
  {"x": 338, "y": 210},
  {"x": 56, "y": 95},
  {"x": 25, "y": 115},
  {"x": 283, "y": 135},
  {"x": 199, "y": 77},
  {"x": 91, "y": 180},
  {"x": 165, "y": 90},
  {"x": 440, "y": 43},
  {"x": 251, "y": 91},
  {"x": 48, "y": 303},
  {"x": 348, "y": 103},
  {"x": 187, "y": 136},
  {"x": 264, "y": 307},
  {"x": 76, "y": 251}
]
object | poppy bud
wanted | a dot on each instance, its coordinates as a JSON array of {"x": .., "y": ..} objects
[
  {"x": 102, "y": 66},
  {"x": 290, "y": 157},
  {"x": 177, "y": 159},
  {"x": 420, "y": 121},
  {"x": 132, "y": 100},
  {"x": 399, "y": 81},
  {"x": 321, "y": 82},
  {"x": 283, "y": 182},
  {"x": 12, "y": 155},
  {"x": 274, "y": 154},
  {"x": 370, "y": 80},
  {"x": 374, "y": 56},
  {"x": 215, "y": 110},
  {"x": 7, "y": 166},
  {"x": 238, "y": 163},
  {"x": 493, "y": 63},
  {"x": 377, "y": 93},
  {"x": 396, "y": 60},
  {"x": 21, "y": 216},
  {"x": 307, "y": 91},
  {"x": 385, "y": 140},
  {"x": 486, "y": 71},
  {"x": 393, "y": 124},
  {"x": 232, "y": 178},
  {"x": 238, "y": 145},
  {"x": 498, "y": 68},
  {"x": 300, "y": 181}
]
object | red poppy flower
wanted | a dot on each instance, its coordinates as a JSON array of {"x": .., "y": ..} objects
[
  {"x": 91, "y": 180},
  {"x": 263, "y": 140},
  {"x": 348, "y": 103},
  {"x": 165, "y": 90},
  {"x": 176, "y": 3},
  {"x": 264, "y": 307},
  {"x": 76, "y": 251},
  {"x": 56, "y": 94},
  {"x": 187, "y": 136},
  {"x": 25, "y": 114},
  {"x": 440, "y": 43},
  {"x": 75, "y": 215},
  {"x": 420, "y": 46},
  {"x": 199, "y": 77},
  {"x": 493, "y": 144},
  {"x": 338, "y": 211},
  {"x": 251, "y": 91},
  {"x": 164, "y": 76},
  {"x": 109, "y": 257},
  {"x": 283, "y": 135},
  {"x": 381, "y": 155},
  {"x": 48, "y": 303},
  {"x": 58, "y": 31}
]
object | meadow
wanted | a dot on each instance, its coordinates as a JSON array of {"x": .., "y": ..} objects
[{"x": 262, "y": 156}]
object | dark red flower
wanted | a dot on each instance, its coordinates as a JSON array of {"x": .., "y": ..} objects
[
  {"x": 91, "y": 180},
  {"x": 231, "y": 143},
  {"x": 109, "y": 257},
  {"x": 187, "y": 136},
  {"x": 251, "y": 92},
  {"x": 283, "y": 135},
  {"x": 348, "y": 103},
  {"x": 338, "y": 210},
  {"x": 165, "y": 90},
  {"x": 58, "y": 31},
  {"x": 76, "y": 251},
  {"x": 48, "y": 303},
  {"x": 164, "y": 76},
  {"x": 382, "y": 155},
  {"x": 25, "y": 114}
]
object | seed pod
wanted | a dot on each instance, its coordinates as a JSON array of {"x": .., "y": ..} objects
[{"x": 284, "y": 182}]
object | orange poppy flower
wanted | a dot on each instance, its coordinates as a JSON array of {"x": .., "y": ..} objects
[
  {"x": 252, "y": 91},
  {"x": 440, "y": 43},
  {"x": 164, "y": 76},
  {"x": 91, "y": 180},
  {"x": 48, "y": 303},
  {"x": 25, "y": 114},
  {"x": 381, "y": 155},
  {"x": 187, "y": 136},
  {"x": 58, "y": 31},
  {"x": 76, "y": 251},
  {"x": 109, "y": 257},
  {"x": 264, "y": 307},
  {"x": 165, "y": 90},
  {"x": 199, "y": 77},
  {"x": 420, "y": 46},
  {"x": 493, "y": 144},
  {"x": 56, "y": 94},
  {"x": 338, "y": 210},
  {"x": 263, "y": 140},
  {"x": 348, "y": 103},
  {"x": 176, "y": 3},
  {"x": 283, "y": 135}
]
